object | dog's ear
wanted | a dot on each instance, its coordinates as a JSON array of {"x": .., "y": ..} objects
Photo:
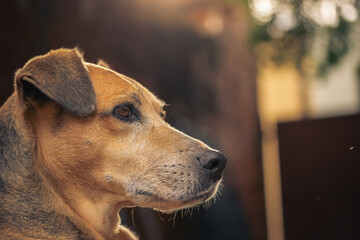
[
  {"x": 102, "y": 63},
  {"x": 61, "y": 76}
]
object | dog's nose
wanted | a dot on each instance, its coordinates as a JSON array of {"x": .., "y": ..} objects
[{"x": 214, "y": 162}]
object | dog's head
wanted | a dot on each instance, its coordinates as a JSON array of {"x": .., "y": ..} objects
[{"x": 101, "y": 135}]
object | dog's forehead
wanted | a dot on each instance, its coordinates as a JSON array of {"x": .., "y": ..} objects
[{"x": 112, "y": 87}]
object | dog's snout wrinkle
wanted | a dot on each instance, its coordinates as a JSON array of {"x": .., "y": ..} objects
[{"x": 214, "y": 162}]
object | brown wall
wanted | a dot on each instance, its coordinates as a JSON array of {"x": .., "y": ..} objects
[{"x": 320, "y": 162}]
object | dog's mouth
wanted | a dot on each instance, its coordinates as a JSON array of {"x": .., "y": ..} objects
[{"x": 166, "y": 202}]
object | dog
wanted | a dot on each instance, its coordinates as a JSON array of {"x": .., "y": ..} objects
[{"x": 79, "y": 141}]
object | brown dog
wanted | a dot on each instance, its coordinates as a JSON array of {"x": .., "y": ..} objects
[{"x": 78, "y": 142}]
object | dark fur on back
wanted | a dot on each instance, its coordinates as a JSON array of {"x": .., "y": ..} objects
[{"x": 23, "y": 197}]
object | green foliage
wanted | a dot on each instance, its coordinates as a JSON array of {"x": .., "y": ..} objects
[
  {"x": 337, "y": 47},
  {"x": 294, "y": 44}
]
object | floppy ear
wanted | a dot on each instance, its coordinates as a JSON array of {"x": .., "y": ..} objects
[
  {"x": 61, "y": 76},
  {"x": 102, "y": 63}
]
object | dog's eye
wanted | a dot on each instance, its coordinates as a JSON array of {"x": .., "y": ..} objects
[
  {"x": 123, "y": 111},
  {"x": 126, "y": 112},
  {"x": 163, "y": 114}
]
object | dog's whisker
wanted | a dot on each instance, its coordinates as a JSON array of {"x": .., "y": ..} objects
[
  {"x": 173, "y": 218},
  {"x": 159, "y": 214},
  {"x": 132, "y": 212}
]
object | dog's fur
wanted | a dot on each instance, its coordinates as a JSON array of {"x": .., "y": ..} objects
[{"x": 78, "y": 142}]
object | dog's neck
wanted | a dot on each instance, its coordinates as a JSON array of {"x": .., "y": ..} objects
[{"x": 102, "y": 214}]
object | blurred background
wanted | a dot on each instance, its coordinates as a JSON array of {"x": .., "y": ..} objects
[{"x": 274, "y": 84}]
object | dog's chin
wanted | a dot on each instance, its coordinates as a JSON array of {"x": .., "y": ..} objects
[
  {"x": 174, "y": 205},
  {"x": 168, "y": 205}
]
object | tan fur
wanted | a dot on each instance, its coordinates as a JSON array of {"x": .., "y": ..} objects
[{"x": 89, "y": 167}]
